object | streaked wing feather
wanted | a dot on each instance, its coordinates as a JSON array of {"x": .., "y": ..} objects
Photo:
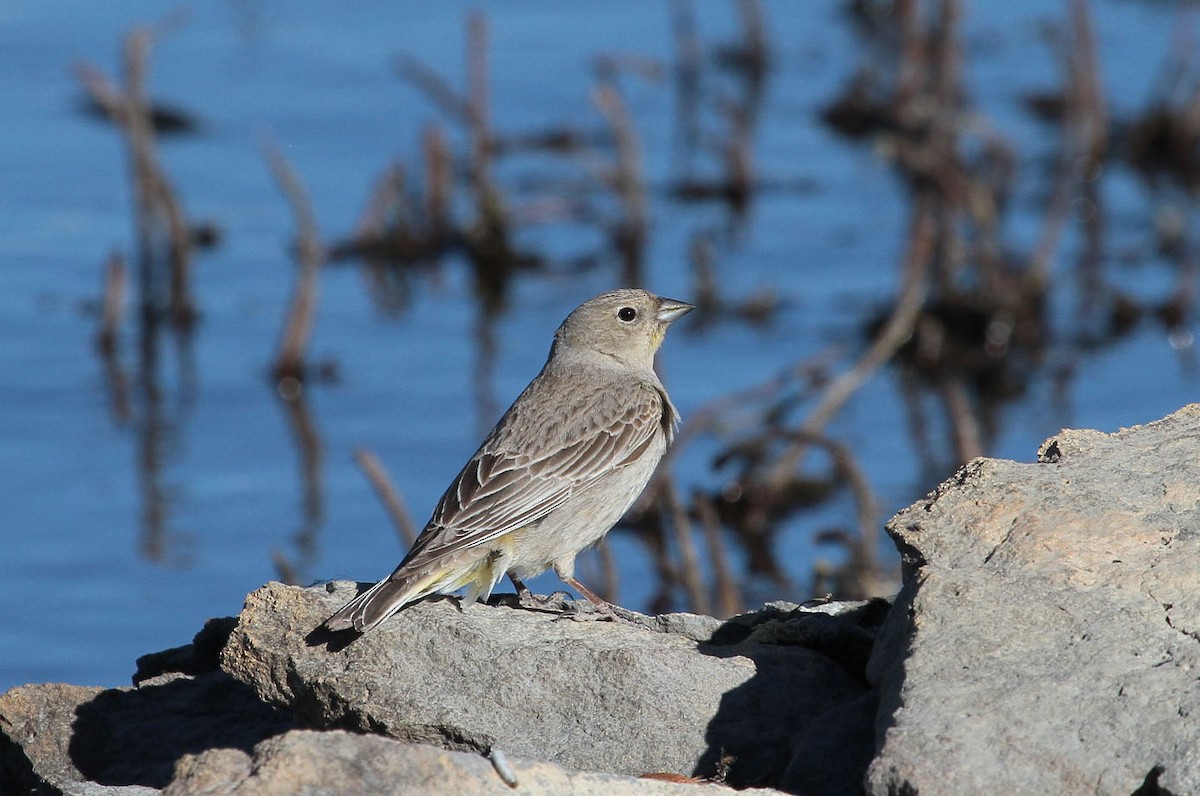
[{"x": 500, "y": 491}]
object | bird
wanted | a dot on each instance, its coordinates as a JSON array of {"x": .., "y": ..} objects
[{"x": 559, "y": 469}]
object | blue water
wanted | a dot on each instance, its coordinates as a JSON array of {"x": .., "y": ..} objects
[{"x": 90, "y": 587}]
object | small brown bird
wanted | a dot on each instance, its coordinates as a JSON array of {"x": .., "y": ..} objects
[{"x": 562, "y": 465}]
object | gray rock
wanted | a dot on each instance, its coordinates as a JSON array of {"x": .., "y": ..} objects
[
  {"x": 58, "y": 739},
  {"x": 1046, "y": 640},
  {"x": 592, "y": 696},
  {"x": 1046, "y": 637},
  {"x": 301, "y": 763}
]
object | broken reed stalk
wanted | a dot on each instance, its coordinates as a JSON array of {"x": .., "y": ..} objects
[
  {"x": 945, "y": 59},
  {"x": 896, "y": 330},
  {"x": 159, "y": 212},
  {"x": 608, "y": 572},
  {"x": 1085, "y": 130},
  {"x": 312, "y": 455},
  {"x": 380, "y": 212},
  {"x": 715, "y": 414},
  {"x": 377, "y": 474},
  {"x": 113, "y": 304},
  {"x": 435, "y": 89},
  {"x": 702, "y": 257},
  {"x": 693, "y": 581},
  {"x": 964, "y": 424},
  {"x": 289, "y": 363},
  {"x": 439, "y": 184},
  {"x": 729, "y": 598},
  {"x": 688, "y": 61},
  {"x": 866, "y": 506},
  {"x": 287, "y": 572},
  {"x": 626, "y": 181},
  {"x": 112, "y": 309},
  {"x": 755, "y": 50},
  {"x": 478, "y": 116},
  {"x": 739, "y": 158},
  {"x": 488, "y": 202}
]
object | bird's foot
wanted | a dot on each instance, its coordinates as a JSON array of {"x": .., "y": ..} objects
[
  {"x": 586, "y": 611},
  {"x": 555, "y": 603}
]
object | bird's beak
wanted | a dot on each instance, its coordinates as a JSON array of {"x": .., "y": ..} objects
[{"x": 672, "y": 310}]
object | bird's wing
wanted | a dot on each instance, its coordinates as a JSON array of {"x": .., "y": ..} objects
[{"x": 502, "y": 489}]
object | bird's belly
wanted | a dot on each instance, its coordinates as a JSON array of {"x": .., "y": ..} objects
[{"x": 580, "y": 522}]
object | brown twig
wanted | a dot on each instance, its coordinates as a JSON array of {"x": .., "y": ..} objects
[
  {"x": 478, "y": 115},
  {"x": 439, "y": 183},
  {"x": 755, "y": 50},
  {"x": 285, "y": 569},
  {"x": 113, "y": 305},
  {"x": 729, "y": 598},
  {"x": 897, "y": 329},
  {"x": 378, "y": 476},
  {"x": 289, "y": 362},
  {"x": 627, "y": 183},
  {"x": 1085, "y": 123},
  {"x": 159, "y": 209},
  {"x": 609, "y": 582},
  {"x": 432, "y": 85},
  {"x": 693, "y": 581}
]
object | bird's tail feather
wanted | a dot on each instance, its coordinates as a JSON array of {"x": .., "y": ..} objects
[
  {"x": 376, "y": 604},
  {"x": 388, "y": 596}
]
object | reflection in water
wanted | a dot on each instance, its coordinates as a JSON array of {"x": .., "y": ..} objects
[
  {"x": 108, "y": 339},
  {"x": 968, "y": 331},
  {"x": 165, "y": 246},
  {"x": 158, "y": 425},
  {"x": 310, "y": 454}
]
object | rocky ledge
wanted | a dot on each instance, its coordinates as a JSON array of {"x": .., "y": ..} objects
[{"x": 1046, "y": 639}]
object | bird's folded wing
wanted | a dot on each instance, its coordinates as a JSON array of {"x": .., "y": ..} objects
[{"x": 500, "y": 491}]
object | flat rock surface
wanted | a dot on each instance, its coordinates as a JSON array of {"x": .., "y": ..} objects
[
  {"x": 58, "y": 738},
  {"x": 585, "y": 695},
  {"x": 301, "y": 763},
  {"x": 1046, "y": 638}
]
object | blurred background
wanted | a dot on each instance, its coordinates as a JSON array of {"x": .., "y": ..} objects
[{"x": 269, "y": 271}]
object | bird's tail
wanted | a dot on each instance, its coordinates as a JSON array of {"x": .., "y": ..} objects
[
  {"x": 374, "y": 605},
  {"x": 406, "y": 586}
]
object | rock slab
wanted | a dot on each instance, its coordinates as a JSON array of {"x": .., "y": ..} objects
[
  {"x": 58, "y": 738},
  {"x": 1047, "y": 636},
  {"x": 306, "y": 763},
  {"x": 589, "y": 696}
]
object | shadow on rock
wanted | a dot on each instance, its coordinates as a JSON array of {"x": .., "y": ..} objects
[
  {"x": 804, "y": 722},
  {"x": 134, "y": 737}
]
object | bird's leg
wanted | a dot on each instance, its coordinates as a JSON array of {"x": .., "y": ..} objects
[
  {"x": 524, "y": 595},
  {"x": 531, "y": 601},
  {"x": 592, "y": 597},
  {"x": 602, "y": 609}
]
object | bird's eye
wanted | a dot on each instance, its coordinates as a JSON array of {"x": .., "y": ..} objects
[{"x": 627, "y": 314}]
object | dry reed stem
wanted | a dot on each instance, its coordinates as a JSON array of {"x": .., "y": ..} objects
[
  {"x": 113, "y": 304},
  {"x": 754, "y": 37},
  {"x": 377, "y": 474},
  {"x": 158, "y": 208},
  {"x": 729, "y": 598},
  {"x": 609, "y": 582},
  {"x": 1085, "y": 131},
  {"x": 435, "y": 89},
  {"x": 964, "y": 425},
  {"x": 312, "y": 455},
  {"x": 290, "y": 360},
  {"x": 286, "y": 570},
  {"x": 627, "y": 180},
  {"x": 690, "y": 574},
  {"x": 439, "y": 182},
  {"x": 898, "y": 329}
]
